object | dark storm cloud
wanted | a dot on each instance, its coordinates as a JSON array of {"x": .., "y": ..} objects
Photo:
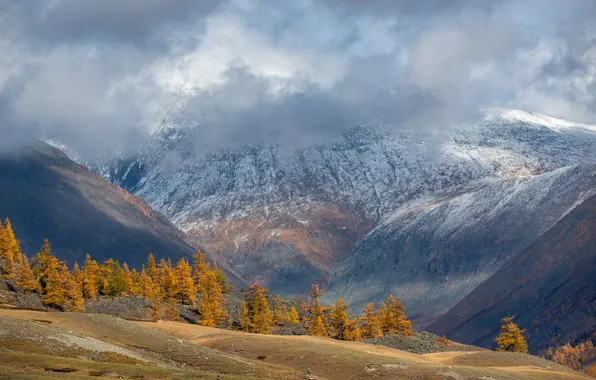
[
  {"x": 99, "y": 75},
  {"x": 105, "y": 21}
]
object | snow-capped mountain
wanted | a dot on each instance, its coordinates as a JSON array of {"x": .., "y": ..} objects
[{"x": 287, "y": 217}]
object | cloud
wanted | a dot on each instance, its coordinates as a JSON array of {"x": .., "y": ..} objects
[{"x": 100, "y": 75}]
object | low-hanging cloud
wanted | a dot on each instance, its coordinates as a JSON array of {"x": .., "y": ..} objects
[{"x": 101, "y": 75}]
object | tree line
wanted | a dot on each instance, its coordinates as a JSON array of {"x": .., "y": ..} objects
[{"x": 202, "y": 285}]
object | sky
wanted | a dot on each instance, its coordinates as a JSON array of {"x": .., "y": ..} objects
[{"x": 101, "y": 75}]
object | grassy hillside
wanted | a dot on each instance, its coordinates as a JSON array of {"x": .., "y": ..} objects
[{"x": 68, "y": 345}]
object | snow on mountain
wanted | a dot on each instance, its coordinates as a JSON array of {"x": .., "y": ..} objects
[
  {"x": 433, "y": 252},
  {"x": 287, "y": 216}
]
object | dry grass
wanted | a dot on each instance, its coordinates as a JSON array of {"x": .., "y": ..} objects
[{"x": 177, "y": 351}]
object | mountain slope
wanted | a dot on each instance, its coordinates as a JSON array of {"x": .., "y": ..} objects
[
  {"x": 433, "y": 253},
  {"x": 46, "y": 195},
  {"x": 550, "y": 288},
  {"x": 287, "y": 216}
]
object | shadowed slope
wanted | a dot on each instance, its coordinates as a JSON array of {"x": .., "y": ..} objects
[
  {"x": 550, "y": 288},
  {"x": 46, "y": 195}
]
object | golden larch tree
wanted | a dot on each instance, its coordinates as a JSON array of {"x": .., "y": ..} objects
[
  {"x": 316, "y": 322},
  {"x": 511, "y": 338},
  {"x": 244, "y": 317},
  {"x": 43, "y": 263},
  {"x": 211, "y": 303},
  {"x": 153, "y": 273},
  {"x": 393, "y": 317},
  {"x": 293, "y": 318},
  {"x": 116, "y": 280},
  {"x": 317, "y": 327},
  {"x": 371, "y": 328},
  {"x": 341, "y": 326},
  {"x": 168, "y": 283},
  {"x": 136, "y": 288},
  {"x": 10, "y": 251},
  {"x": 186, "y": 286},
  {"x": 103, "y": 277},
  {"x": 128, "y": 282},
  {"x": 147, "y": 286},
  {"x": 54, "y": 292},
  {"x": 90, "y": 273},
  {"x": 73, "y": 292},
  {"x": 200, "y": 267},
  {"x": 261, "y": 318},
  {"x": 25, "y": 280}
]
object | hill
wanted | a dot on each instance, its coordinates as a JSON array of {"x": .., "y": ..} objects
[
  {"x": 47, "y": 195},
  {"x": 550, "y": 288},
  {"x": 43, "y": 345}
]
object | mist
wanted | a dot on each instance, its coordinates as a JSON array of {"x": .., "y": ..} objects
[{"x": 102, "y": 76}]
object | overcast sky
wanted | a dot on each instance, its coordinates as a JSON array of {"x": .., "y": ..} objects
[{"x": 95, "y": 73}]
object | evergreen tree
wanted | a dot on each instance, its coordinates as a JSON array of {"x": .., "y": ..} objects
[
  {"x": 244, "y": 317},
  {"x": 511, "y": 338},
  {"x": 259, "y": 313},
  {"x": 393, "y": 317},
  {"x": 342, "y": 327},
  {"x": 25, "y": 279},
  {"x": 186, "y": 285},
  {"x": 90, "y": 273},
  {"x": 128, "y": 282},
  {"x": 372, "y": 325}
]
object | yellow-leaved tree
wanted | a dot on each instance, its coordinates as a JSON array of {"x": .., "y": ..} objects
[
  {"x": 341, "y": 326},
  {"x": 211, "y": 306},
  {"x": 371, "y": 328},
  {"x": 90, "y": 273},
  {"x": 393, "y": 317},
  {"x": 10, "y": 251},
  {"x": 186, "y": 286},
  {"x": 511, "y": 338},
  {"x": 261, "y": 318},
  {"x": 25, "y": 280},
  {"x": 316, "y": 321}
]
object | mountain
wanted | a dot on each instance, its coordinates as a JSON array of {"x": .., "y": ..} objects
[
  {"x": 46, "y": 195},
  {"x": 433, "y": 253},
  {"x": 550, "y": 288},
  {"x": 288, "y": 217}
]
